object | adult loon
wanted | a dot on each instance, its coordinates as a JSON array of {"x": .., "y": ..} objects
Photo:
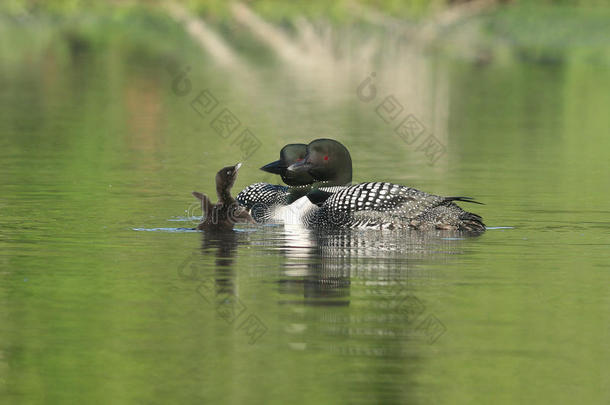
[
  {"x": 378, "y": 205},
  {"x": 224, "y": 214},
  {"x": 263, "y": 199}
]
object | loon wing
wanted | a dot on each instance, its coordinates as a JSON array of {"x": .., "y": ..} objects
[
  {"x": 262, "y": 199},
  {"x": 379, "y": 203},
  {"x": 381, "y": 196},
  {"x": 206, "y": 205},
  {"x": 262, "y": 194}
]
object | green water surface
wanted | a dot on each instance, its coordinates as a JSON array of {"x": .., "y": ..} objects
[{"x": 103, "y": 299}]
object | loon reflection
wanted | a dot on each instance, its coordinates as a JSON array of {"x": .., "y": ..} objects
[
  {"x": 345, "y": 294},
  {"x": 381, "y": 274},
  {"x": 322, "y": 265},
  {"x": 223, "y": 246}
]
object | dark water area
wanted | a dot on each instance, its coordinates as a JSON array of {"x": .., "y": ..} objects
[{"x": 104, "y": 298}]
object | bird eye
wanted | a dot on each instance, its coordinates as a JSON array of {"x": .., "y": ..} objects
[
  {"x": 229, "y": 172},
  {"x": 326, "y": 157}
]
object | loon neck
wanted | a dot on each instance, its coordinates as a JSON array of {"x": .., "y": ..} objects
[
  {"x": 294, "y": 193},
  {"x": 330, "y": 183},
  {"x": 223, "y": 194},
  {"x": 340, "y": 176},
  {"x": 313, "y": 186}
]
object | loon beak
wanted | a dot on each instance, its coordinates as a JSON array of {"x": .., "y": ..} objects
[
  {"x": 300, "y": 167},
  {"x": 274, "y": 167},
  {"x": 236, "y": 167}
]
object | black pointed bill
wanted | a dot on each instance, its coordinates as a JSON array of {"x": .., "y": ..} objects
[{"x": 274, "y": 167}]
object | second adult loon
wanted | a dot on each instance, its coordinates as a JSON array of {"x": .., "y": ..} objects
[
  {"x": 378, "y": 205},
  {"x": 263, "y": 199}
]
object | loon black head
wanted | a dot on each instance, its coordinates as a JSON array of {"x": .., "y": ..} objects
[
  {"x": 327, "y": 161},
  {"x": 225, "y": 178},
  {"x": 291, "y": 153}
]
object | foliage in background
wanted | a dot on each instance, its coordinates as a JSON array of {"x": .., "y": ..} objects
[
  {"x": 340, "y": 10},
  {"x": 544, "y": 31}
]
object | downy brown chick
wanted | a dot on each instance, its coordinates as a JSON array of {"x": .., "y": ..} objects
[{"x": 226, "y": 212}]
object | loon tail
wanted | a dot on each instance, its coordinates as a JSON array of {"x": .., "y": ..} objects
[
  {"x": 471, "y": 222},
  {"x": 463, "y": 199}
]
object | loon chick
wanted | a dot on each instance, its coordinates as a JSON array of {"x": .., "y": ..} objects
[
  {"x": 263, "y": 199},
  {"x": 376, "y": 204},
  {"x": 224, "y": 214}
]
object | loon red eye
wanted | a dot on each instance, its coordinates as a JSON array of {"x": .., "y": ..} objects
[
  {"x": 325, "y": 157},
  {"x": 299, "y": 159}
]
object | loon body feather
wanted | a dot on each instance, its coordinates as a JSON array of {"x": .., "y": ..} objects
[
  {"x": 384, "y": 205},
  {"x": 262, "y": 200}
]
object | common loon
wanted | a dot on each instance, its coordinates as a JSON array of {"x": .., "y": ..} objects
[
  {"x": 378, "y": 205},
  {"x": 224, "y": 214},
  {"x": 262, "y": 200}
]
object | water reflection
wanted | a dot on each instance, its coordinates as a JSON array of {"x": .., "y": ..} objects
[
  {"x": 377, "y": 271},
  {"x": 352, "y": 295},
  {"x": 323, "y": 267},
  {"x": 217, "y": 286},
  {"x": 368, "y": 254},
  {"x": 320, "y": 267},
  {"x": 223, "y": 246}
]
